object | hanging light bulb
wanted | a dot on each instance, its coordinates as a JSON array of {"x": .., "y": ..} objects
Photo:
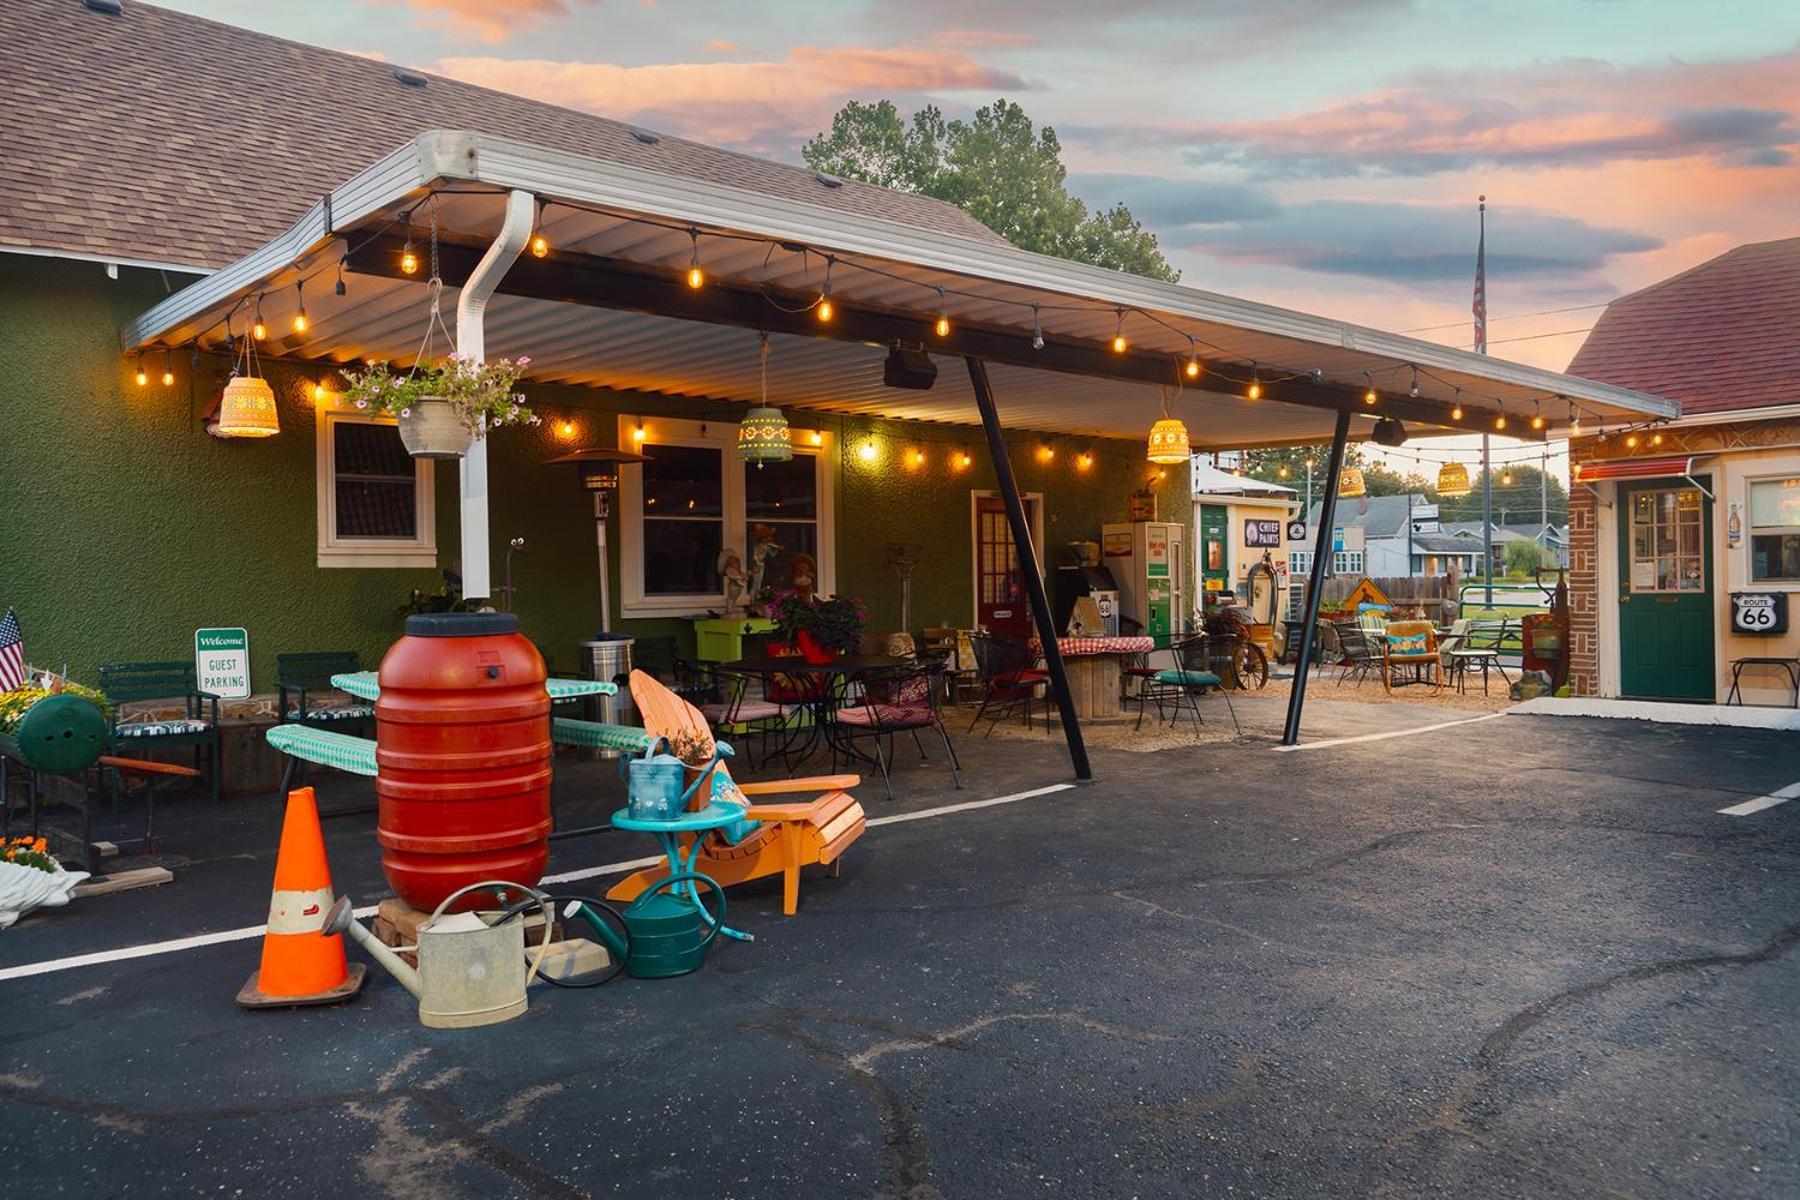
[
  {"x": 824, "y": 308},
  {"x": 1574, "y": 419},
  {"x": 168, "y": 374},
  {"x": 1537, "y": 415},
  {"x": 1453, "y": 480},
  {"x": 764, "y": 435},
  {"x": 1118, "y": 342},
  {"x": 1506, "y": 479},
  {"x": 1192, "y": 369},
  {"x": 320, "y": 392},
  {"x": 1254, "y": 391},
  {"x": 915, "y": 458},
  {"x": 1168, "y": 438},
  {"x": 258, "y": 330},
  {"x": 816, "y": 437},
  {"x": 943, "y": 320},
  {"x": 868, "y": 451},
  {"x": 143, "y": 376},
  {"x": 300, "y": 298},
  {"x": 1456, "y": 409},
  {"x": 1414, "y": 392},
  {"x": 1084, "y": 460},
  {"x": 540, "y": 245},
  {"x": 1656, "y": 439},
  {"x": 696, "y": 278},
  {"x": 1500, "y": 421},
  {"x": 340, "y": 289},
  {"x": 1037, "y": 328},
  {"x": 1631, "y": 441},
  {"x": 409, "y": 259},
  {"x": 1369, "y": 395}
]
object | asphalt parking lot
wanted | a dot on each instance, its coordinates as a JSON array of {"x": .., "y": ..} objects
[{"x": 1523, "y": 956}]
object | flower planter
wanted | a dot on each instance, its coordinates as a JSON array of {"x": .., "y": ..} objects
[
  {"x": 811, "y": 651},
  {"x": 434, "y": 429},
  {"x": 23, "y": 889}
]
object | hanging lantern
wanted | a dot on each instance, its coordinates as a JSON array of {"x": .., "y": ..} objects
[
  {"x": 764, "y": 435},
  {"x": 1453, "y": 480},
  {"x": 1169, "y": 442},
  {"x": 1350, "y": 482},
  {"x": 247, "y": 409}
]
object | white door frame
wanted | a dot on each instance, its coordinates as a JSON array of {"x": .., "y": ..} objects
[{"x": 1036, "y": 500}]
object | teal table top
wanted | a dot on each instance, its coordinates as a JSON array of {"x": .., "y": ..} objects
[
  {"x": 364, "y": 685},
  {"x": 713, "y": 816}
]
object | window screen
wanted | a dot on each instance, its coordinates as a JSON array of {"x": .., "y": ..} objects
[{"x": 375, "y": 482}]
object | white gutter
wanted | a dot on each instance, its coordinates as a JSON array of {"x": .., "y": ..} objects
[
  {"x": 634, "y": 191},
  {"x": 471, "y": 343},
  {"x": 105, "y": 260}
]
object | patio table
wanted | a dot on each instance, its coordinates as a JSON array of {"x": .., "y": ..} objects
[
  {"x": 716, "y": 815},
  {"x": 365, "y": 685},
  {"x": 1095, "y": 667},
  {"x": 820, "y": 698}
]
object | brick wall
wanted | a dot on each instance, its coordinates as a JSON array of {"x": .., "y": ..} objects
[{"x": 1584, "y": 583}]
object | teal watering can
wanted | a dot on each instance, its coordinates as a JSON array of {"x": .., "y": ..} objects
[
  {"x": 666, "y": 933},
  {"x": 656, "y": 785}
]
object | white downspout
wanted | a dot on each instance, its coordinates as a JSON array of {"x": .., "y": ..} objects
[{"x": 471, "y": 342}]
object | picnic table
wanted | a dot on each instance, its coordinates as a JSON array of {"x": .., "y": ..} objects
[{"x": 366, "y": 685}]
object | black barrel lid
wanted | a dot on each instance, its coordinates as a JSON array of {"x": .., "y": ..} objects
[{"x": 475, "y": 624}]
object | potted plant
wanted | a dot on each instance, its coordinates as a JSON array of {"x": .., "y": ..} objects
[
  {"x": 31, "y": 878},
  {"x": 443, "y": 406},
  {"x": 819, "y": 628}
]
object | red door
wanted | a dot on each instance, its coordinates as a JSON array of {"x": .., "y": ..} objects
[{"x": 1001, "y": 605}]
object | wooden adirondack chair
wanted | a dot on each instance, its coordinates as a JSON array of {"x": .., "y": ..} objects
[{"x": 790, "y": 836}]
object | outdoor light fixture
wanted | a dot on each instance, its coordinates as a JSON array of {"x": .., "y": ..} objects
[
  {"x": 1537, "y": 415},
  {"x": 1118, "y": 342},
  {"x": 1046, "y": 454},
  {"x": 695, "y": 276},
  {"x": 816, "y": 437},
  {"x": 867, "y": 451},
  {"x": 1456, "y": 412},
  {"x": 637, "y": 435},
  {"x": 916, "y": 457},
  {"x": 764, "y": 435},
  {"x": 962, "y": 460},
  {"x": 1350, "y": 483},
  {"x": 258, "y": 330},
  {"x": 908, "y": 367},
  {"x": 1037, "y": 328},
  {"x": 566, "y": 430},
  {"x": 824, "y": 308},
  {"x": 1388, "y": 432},
  {"x": 320, "y": 392},
  {"x": 1084, "y": 460},
  {"x": 300, "y": 299},
  {"x": 409, "y": 259},
  {"x": 1453, "y": 480},
  {"x": 1500, "y": 421},
  {"x": 1369, "y": 396},
  {"x": 168, "y": 375},
  {"x": 943, "y": 321},
  {"x": 1168, "y": 437},
  {"x": 1254, "y": 391},
  {"x": 143, "y": 376},
  {"x": 340, "y": 289},
  {"x": 247, "y": 408},
  {"x": 1192, "y": 368},
  {"x": 540, "y": 245}
]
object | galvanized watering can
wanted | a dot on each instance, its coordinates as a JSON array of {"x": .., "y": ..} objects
[{"x": 656, "y": 784}]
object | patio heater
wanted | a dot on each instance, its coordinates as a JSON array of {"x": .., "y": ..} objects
[
  {"x": 608, "y": 656},
  {"x": 905, "y": 557}
]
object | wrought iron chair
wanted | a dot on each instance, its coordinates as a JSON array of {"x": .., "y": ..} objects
[
  {"x": 1361, "y": 657},
  {"x": 1481, "y": 647},
  {"x": 1200, "y": 663},
  {"x": 1010, "y": 680},
  {"x": 742, "y": 710},
  {"x": 881, "y": 704}
]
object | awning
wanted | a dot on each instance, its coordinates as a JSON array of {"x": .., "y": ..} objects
[
  {"x": 1669, "y": 466},
  {"x": 1211, "y": 481}
]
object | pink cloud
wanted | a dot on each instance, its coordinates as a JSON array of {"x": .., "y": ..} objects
[
  {"x": 758, "y": 104},
  {"x": 491, "y": 21}
]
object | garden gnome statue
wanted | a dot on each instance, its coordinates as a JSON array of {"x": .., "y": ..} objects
[
  {"x": 804, "y": 575},
  {"x": 732, "y": 576}
]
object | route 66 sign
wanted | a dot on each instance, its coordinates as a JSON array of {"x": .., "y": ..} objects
[{"x": 1759, "y": 612}]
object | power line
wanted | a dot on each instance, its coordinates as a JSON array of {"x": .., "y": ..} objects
[{"x": 1542, "y": 312}]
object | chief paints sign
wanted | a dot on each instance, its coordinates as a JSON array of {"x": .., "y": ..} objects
[
  {"x": 222, "y": 663},
  {"x": 1759, "y": 612}
]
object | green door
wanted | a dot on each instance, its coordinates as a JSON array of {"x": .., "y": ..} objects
[
  {"x": 1665, "y": 592},
  {"x": 1215, "y": 567}
]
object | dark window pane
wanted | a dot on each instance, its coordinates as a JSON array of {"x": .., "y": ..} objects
[
  {"x": 683, "y": 480},
  {"x": 681, "y": 558},
  {"x": 788, "y": 489},
  {"x": 797, "y": 538},
  {"x": 1775, "y": 556},
  {"x": 374, "y": 483}
]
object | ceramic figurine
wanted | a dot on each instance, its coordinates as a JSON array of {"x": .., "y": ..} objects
[
  {"x": 760, "y": 554},
  {"x": 731, "y": 574},
  {"x": 803, "y": 572}
]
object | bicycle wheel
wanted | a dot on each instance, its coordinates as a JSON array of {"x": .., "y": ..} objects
[{"x": 1252, "y": 667}]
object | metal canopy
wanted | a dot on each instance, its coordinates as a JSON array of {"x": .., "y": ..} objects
[{"x": 607, "y": 308}]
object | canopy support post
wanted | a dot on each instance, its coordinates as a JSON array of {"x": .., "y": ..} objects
[
  {"x": 471, "y": 345},
  {"x": 1028, "y": 567},
  {"x": 1315, "y": 583}
]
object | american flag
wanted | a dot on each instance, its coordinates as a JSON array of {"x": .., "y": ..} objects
[
  {"x": 1480, "y": 305},
  {"x": 12, "y": 653}
]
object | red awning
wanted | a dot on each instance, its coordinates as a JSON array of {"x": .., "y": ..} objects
[{"x": 1674, "y": 466}]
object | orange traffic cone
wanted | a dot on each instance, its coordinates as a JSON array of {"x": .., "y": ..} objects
[{"x": 301, "y": 964}]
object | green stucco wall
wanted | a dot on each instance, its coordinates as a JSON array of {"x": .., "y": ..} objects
[{"x": 128, "y": 526}]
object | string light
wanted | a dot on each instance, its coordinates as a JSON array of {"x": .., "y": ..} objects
[
  {"x": 1500, "y": 421},
  {"x": 1037, "y": 327},
  {"x": 1631, "y": 441},
  {"x": 637, "y": 435},
  {"x": 1414, "y": 392},
  {"x": 816, "y": 438},
  {"x": 1046, "y": 454},
  {"x": 824, "y": 309},
  {"x": 168, "y": 375},
  {"x": 143, "y": 376},
  {"x": 1254, "y": 391},
  {"x": 1282, "y": 471},
  {"x": 963, "y": 460},
  {"x": 300, "y": 297},
  {"x": 1456, "y": 412},
  {"x": 1656, "y": 439},
  {"x": 695, "y": 276},
  {"x": 943, "y": 321},
  {"x": 409, "y": 258},
  {"x": 1369, "y": 395},
  {"x": 915, "y": 458},
  {"x": 1084, "y": 460},
  {"x": 566, "y": 430},
  {"x": 1118, "y": 342},
  {"x": 320, "y": 392},
  {"x": 340, "y": 289},
  {"x": 1193, "y": 363},
  {"x": 540, "y": 245},
  {"x": 1537, "y": 415},
  {"x": 867, "y": 451},
  {"x": 1506, "y": 479},
  {"x": 258, "y": 330}
]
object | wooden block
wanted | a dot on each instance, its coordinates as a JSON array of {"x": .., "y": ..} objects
[
  {"x": 568, "y": 959},
  {"x": 403, "y": 922},
  {"x": 106, "y": 850},
  {"x": 124, "y": 881}
]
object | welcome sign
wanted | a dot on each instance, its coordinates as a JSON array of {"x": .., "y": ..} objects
[{"x": 222, "y": 662}]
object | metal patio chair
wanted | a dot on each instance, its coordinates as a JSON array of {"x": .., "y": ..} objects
[
  {"x": 882, "y": 704},
  {"x": 1200, "y": 665},
  {"x": 1361, "y": 657},
  {"x": 197, "y": 728},
  {"x": 1010, "y": 680}
]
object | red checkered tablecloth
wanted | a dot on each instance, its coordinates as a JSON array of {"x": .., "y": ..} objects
[{"x": 1075, "y": 647}]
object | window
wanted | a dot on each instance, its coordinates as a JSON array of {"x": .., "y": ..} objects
[
  {"x": 1666, "y": 550},
  {"x": 693, "y": 500},
  {"x": 1299, "y": 562},
  {"x": 1775, "y": 531},
  {"x": 1347, "y": 561},
  {"x": 374, "y": 499}
]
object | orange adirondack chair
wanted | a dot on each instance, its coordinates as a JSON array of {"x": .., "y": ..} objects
[{"x": 791, "y": 836}]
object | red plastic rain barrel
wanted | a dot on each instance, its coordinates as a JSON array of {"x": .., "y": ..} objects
[{"x": 462, "y": 747}]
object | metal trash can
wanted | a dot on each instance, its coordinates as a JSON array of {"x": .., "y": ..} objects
[{"x": 609, "y": 658}]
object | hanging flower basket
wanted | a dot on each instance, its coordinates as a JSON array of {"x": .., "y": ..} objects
[
  {"x": 432, "y": 428},
  {"x": 443, "y": 407}
]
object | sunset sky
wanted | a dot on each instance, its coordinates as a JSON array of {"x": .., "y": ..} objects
[{"x": 1321, "y": 154}]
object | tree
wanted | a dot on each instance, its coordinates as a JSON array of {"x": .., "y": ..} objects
[
  {"x": 1519, "y": 492},
  {"x": 1287, "y": 466},
  {"x": 1524, "y": 558},
  {"x": 996, "y": 167}
]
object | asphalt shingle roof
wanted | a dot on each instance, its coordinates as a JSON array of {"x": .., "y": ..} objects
[
  {"x": 1724, "y": 335},
  {"x": 163, "y": 137}
]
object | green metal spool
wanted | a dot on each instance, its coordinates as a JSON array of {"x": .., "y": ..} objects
[
  {"x": 61, "y": 733},
  {"x": 670, "y": 933}
]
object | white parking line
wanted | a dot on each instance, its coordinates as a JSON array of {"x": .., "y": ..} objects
[
  {"x": 1393, "y": 733},
  {"x": 1761, "y": 802},
  {"x": 246, "y": 932}
]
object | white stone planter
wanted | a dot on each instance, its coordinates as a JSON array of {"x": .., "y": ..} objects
[
  {"x": 25, "y": 888},
  {"x": 434, "y": 429}
]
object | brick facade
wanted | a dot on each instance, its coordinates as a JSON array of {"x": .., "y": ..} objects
[{"x": 1584, "y": 581}]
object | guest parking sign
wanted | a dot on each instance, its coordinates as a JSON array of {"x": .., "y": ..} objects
[{"x": 222, "y": 663}]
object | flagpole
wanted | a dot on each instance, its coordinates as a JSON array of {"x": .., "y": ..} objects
[{"x": 1487, "y": 470}]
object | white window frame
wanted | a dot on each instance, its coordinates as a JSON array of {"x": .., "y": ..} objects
[
  {"x": 720, "y": 436},
  {"x": 1300, "y": 562},
  {"x": 1749, "y": 533},
  {"x": 1347, "y": 562},
  {"x": 336, "y": 552}
]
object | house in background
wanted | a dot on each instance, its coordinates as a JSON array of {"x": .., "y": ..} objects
[
  {"x": 1685, "y": 536},
  {"x": 1239, "y": 522},
  {"x": 1390, "y": 537}
]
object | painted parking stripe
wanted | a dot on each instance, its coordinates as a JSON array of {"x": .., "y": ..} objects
[
  {"x": 1392, "y": 733},
  {"x": 1761, "y": 802},
  {"x": 246, "y": 932}
]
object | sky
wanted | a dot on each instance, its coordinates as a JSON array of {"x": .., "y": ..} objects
[{"x": 1324, "y": 155}]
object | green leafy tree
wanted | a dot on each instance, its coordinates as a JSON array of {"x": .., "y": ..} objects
[
  {"x": 1518, "y": 495},
  {"x": 1287, "y": 466},
  {"x": 1523, "y": 558},
  {"x": 998, "y": 168}
]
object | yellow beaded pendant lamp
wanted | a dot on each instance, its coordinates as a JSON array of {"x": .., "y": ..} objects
[
  {"x": 1453, "y": 480},
  {"x": 1350, "y": 482},
  {"x": 1168, "y": 438},
  {"x": 764, "y": 435},
  {"x": 247, "y": 409}
]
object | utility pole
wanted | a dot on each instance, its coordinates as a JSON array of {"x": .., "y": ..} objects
[{"x": 1544, "y": 498}]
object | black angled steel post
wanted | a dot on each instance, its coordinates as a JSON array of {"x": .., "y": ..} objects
[
  {"x": 1315, "y": 580},
  {"x": 1028, "y": 567}
]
